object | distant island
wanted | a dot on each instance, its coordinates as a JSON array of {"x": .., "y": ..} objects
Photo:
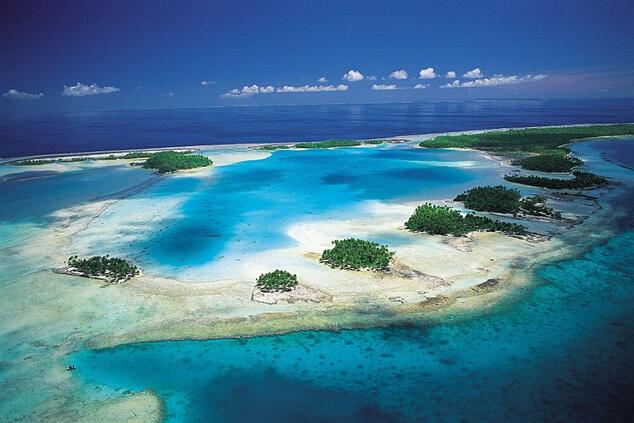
[
  {"x": 163, "y": 161},
  {"x": 335, "y": 143},
  {"x": 537, "y": 149},
  {"x": 113, "y": 270},
  {"x": 171, "y": 161}
]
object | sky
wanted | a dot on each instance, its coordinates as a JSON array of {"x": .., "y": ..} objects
[{"x": 109, "y": 55}]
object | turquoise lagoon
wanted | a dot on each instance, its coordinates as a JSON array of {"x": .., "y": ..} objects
[
  {"x": 558, "y": 350},
  {"x": 246, "y": 207}
]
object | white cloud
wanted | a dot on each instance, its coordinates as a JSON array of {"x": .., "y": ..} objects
[
  {"x": 454, "y": 84},
  {"x": 207, "y": 82},
  {"x": 474, "y": 74},
  {"x": 353, "y": 76},
  {"x": 399, "y": 74},
  {"x": 19, "y": 95},
  {"x": 427, "y": 73},
  {"x": 79, "y": 90},
  {"x": 371, "y": 78},
  {"x": 322, "y": 80},
  {"x": 383, "y": 87},
  {"x": 494, "y": 81},
  {"x": 450, "y": 75},
  {"x": 311, "y": 88},
  {"x": 249, "y": 90},
  {"x": 420, "y": 86}
]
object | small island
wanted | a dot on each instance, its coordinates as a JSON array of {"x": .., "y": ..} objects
[
  {"x": 549, "y": 162},
  {"x": 335, "y": 143},
  {"x": 111, "y": 269},
  {"x": 133, "y": 155},
  {"x": 500, "y": 199},
  {"x": 579, "y": 180},
  {"x": 443, "y": 220},
  {"x": 171, "y": 161},
  {"x": 276, "y": 281},
  {"x": 357, "y": 254}
]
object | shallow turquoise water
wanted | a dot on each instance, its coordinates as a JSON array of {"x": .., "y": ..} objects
[
  {"x": 558, "y": 351},
  {"x": 248, "y": 206}
]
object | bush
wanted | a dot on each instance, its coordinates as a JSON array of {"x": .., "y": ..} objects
[
  {"x": 442, "y": 220},
  {"x": 328, "y": 144},
  {"x": 276, "y": 281},
  {"x": 536, "y": 206},
  {"x": 356, "y": 254},
  {"x": 272, "y": 147},
  {"x": 494, "y": 199},
  {"x": 171, "y": 161},
  {"x": 112, "y": 268},
  {"x": 579, "y": 180},
  {"x": 549, "y": 163}
]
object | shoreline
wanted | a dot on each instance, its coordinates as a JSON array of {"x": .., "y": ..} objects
[{"x": 7, "y": 160}]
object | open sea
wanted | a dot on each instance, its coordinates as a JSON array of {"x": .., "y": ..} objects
[
  {"x": 559, "y": 350},
  {"x": 22, "y": 135}
]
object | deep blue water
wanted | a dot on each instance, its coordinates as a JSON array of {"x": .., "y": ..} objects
[
  {"x": 559, "y": 350},
  {"x": 92, "y": 131}
]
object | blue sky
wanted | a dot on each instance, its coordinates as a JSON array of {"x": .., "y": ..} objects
[{"x": 92, "y": 55}]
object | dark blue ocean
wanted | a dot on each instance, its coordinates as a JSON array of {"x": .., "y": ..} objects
[{"x": 95, "y": 131}]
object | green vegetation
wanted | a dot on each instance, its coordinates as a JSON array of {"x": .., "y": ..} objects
[
  {"x": 271, "y": 147},
  {"x": 579, "y": 180},
  {"x": 276, "y": 281},
  {"x": 112, "y": 268},
  {"x": 549, "y": 163},
  {"x": 357, "y": 254},
  {"x": 536, "y": 140},
  {"x": 33, "y": 162},
  {"x": 504, "y": 200},
  {"x": 328, "y": 144},
  {"x": 442, "y": 220},
  {"x": 494, "y": 199},
  {"x": 171, "y": 161},
  {"x": 320, "y": 144},
  {"x": 127, "y": 156},
  {"x": 536, "y": 206}
]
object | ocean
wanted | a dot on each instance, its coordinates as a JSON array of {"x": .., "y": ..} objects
[{"x": 22, "y": 135}]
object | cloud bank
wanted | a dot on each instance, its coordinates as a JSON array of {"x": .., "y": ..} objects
[
  {"x": 79, "y": 90},
  {"x": 383, "y": 87},
  {"x": 20, "y": 95},
  {"x": 473, "y": 74},
  {"x": 249, "y": 90},
  {"x": 494, "y": 81}
]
